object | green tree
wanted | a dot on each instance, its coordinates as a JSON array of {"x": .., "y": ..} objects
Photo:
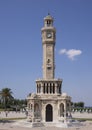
[
  {"x": 6, "y": 96},
  {"x": 79, "y": 104}
]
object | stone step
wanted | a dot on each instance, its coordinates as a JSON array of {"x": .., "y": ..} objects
[{"x": 37, "y": 124}]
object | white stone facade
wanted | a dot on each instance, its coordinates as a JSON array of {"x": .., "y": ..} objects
[{"x": 49, "y": 104}]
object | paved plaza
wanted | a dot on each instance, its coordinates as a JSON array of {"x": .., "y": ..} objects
[
  {"x": 21, "y": 125},
  {"x": 11, "y": 126}
]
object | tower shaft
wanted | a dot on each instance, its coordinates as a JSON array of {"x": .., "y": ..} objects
[
  {"x": 48, "y": 42},
  {"x": 48, "y": 84},
  {"x": 48, "y": 61}
]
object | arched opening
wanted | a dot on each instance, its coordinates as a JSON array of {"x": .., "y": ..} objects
[
  {"x": 44, "y": 88},
  {"x": 50, "y": 89},
  {"x": 49, "y": 113},
  {"x": 60, "y": 88},
  {"x": 61, "y": 110}
]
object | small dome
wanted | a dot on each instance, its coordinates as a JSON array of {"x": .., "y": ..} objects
[
  {"x": 33, "y": 95},
  {"x": 48, "y": 17},
  {"x": 64, "y": 94}
]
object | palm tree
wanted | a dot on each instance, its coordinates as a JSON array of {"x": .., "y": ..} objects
[{"x": 6, "y": 95}]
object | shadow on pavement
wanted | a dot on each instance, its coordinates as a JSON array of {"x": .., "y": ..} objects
[{"x": 6, "y": 121}]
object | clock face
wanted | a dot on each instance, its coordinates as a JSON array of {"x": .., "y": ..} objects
[{"x": 49, "y": 35}]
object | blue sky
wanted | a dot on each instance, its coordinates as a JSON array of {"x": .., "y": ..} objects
[{"x": 21, "y": 47}]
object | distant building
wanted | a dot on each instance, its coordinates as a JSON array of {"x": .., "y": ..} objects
[{"x": 49, "y": 105}]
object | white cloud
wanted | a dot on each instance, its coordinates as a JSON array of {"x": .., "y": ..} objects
[
  {"x": 63, "y": 51},
  {"x": 70, "y": 53}
]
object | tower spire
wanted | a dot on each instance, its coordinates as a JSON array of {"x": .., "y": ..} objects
[{"x": 48, "y": 13}]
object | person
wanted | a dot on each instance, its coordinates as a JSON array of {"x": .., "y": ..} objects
[
  {"x": 26, "y": 113},
  {"x": 6, "y": 113}
]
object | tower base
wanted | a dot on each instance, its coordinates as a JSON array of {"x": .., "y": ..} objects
[{"x": 67, "y": 124}]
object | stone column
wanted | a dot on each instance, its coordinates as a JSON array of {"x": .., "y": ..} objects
[
  {"x": 33, "y": 112},
  {"x": 43, "y": 112},
  {"x": 65, "y": 109},
  {"x": 45, "y": 88},
  {"x": 42, "y": 88},
  {"x": 49, "y": 88},
  {"x": 55, "y": 89}
]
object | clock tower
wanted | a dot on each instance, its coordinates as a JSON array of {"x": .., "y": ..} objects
[
  {"x": 48, "y": 43},
  {"x": 49, "y": 106}
]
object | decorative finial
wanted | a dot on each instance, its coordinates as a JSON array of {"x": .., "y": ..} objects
[{"x": 48, "y": 13}]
